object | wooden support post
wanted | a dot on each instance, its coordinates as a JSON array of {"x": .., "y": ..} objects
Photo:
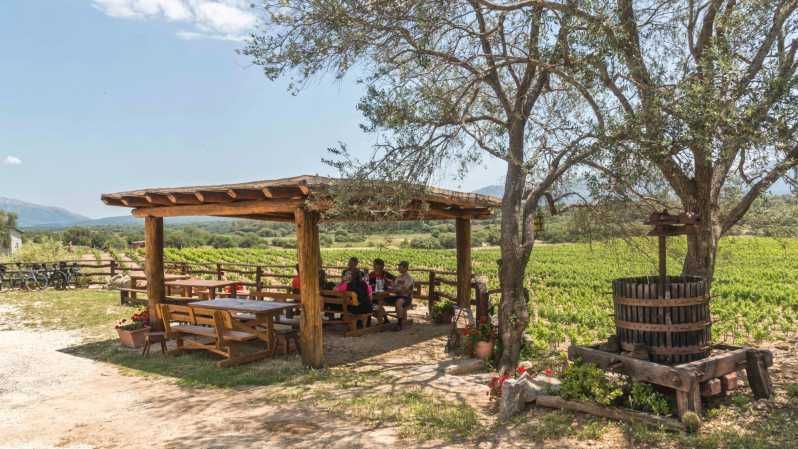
[
  {"x": 309, "y": 258},
  {"x": 258, "y": 280},
  {"x": 153, "y": 267},
  {"x": 463, "y": 235},
  {"x": 113, "y": 268},
  {"x": 757, "y": 372},
  {"x": 432, "y": 297},
  {"x": 690, "y": 400},
  {"x": 219, "y": 272}
]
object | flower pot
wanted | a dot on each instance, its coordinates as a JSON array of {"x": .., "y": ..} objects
[
  {"x": 483, "y": 349},
  {"x": 134, "y": 338}
]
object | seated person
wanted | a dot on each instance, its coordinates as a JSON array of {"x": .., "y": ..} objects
[
  {"x": 401, "y": 293},
  {"x": 380, "y": 275},
  {"x": 352, "y": 266},
  {"x": 354, "y": 283},
  {"x": 295, "y": 283}
]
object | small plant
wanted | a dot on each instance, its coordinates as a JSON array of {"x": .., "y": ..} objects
[
  {"x": 587, "y": 382},
  {"x": 645, "y": 398},
  {"x": 442, "y": 308},
  {"x": 792, "y": 390},
  {"x": 138, "y": 320}
]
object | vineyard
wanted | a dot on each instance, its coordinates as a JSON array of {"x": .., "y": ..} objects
[{"x": 755, "y": 294}]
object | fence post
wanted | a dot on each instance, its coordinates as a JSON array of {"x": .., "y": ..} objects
[
  {"x": 219, "y": 272},
  {"x": 258, "y": 275},
  {"x": 432, "y": 297},
  {"x": 483, "y": 303},
  {"x": 113, "y": 268},
  {"x": 184, "y": 268}
]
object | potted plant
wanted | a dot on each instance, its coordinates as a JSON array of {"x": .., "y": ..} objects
[
  {"x": 482, "y": 338},
  {"x": 132, "y": 332},
  {"x": 443, "y": 311}
]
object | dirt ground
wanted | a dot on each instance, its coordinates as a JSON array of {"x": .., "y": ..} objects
[{"x": 52, "y": 399}]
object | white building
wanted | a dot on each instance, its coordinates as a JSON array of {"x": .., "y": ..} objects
[{"x": 15, "y": 239}]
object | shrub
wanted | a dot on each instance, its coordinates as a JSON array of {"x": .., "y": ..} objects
[
  {"x": 643, "y": 397},
  {"x": 587, "y": 382}
]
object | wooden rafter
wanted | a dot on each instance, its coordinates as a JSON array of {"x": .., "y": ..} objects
[{"x": 221, "y": 209}]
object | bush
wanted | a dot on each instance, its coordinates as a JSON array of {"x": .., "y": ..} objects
[
  {"x": 587, "y": 382},
  {"x": 425, "y": 243},
  {"x": 643, "y": 397}
]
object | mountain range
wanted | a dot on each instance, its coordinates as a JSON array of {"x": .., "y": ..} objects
[{"x": 31, "y": 215}]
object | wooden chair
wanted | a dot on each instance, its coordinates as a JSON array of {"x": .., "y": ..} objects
[{"x": 216, "y": 325}]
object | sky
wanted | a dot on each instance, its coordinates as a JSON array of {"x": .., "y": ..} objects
[{"x": 100, "y": 96}]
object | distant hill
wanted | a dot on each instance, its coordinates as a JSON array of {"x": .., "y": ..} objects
[
  {"x": 494, "y": 190},
  {"x": 32, "y": 215},
  {"x": 128, "y": 220}
]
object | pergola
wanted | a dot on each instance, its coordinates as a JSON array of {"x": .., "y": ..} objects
[{"x": 292, "y": 200}]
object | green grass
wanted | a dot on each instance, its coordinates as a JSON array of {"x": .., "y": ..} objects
[
  {"x": 94, "y": 312},
  {"x": 418, "y": 415}
]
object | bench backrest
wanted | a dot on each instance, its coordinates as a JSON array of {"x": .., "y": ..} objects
[{"x": 218, "y": 319}]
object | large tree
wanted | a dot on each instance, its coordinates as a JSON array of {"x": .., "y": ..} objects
[
  {"x": 707, "y": 90},
  {"x": 449, "y": 83}
]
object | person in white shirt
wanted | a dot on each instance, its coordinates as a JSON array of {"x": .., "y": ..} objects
[{"x": 401, "y": 293}]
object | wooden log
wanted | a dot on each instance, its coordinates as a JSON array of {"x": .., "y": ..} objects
[
  {"x": 758, "y": 376},
  {"x": 240, "y": 208},
  {"x": 153, "y": 267},
  {"x": 309, "y": 257},
  {"x": 638, "y": 369},
  {"x": 690, "y": 400},
  {"x": 463, "y": 236},
  {"x": 608, "y": 412}
]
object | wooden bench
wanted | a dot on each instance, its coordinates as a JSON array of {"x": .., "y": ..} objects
[
  {"x": 130, "y": 295},
  {"x": 216, "y": 325}
]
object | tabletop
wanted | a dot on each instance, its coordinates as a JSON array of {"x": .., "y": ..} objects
[
  {"x": 202, "y": 283},
  {"x": 243, "y": 305},
  {"x": 138, "y": 276}
]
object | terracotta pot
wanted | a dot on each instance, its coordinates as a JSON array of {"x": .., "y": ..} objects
[
  {"x": 133, "y": 339},
  {"x": 483, "y": 349}
]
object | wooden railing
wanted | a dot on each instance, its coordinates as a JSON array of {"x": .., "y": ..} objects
[{"x": 430, "y": 284}]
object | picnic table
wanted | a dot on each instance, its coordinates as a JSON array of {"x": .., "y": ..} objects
[
  {"x": 258, "y": 314},
  {"x": 188, "y": 286}
]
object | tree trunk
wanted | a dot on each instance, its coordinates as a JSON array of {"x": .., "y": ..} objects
[
  {"x": 513, "y": 311},
  {"x": 702, "y": 247}
]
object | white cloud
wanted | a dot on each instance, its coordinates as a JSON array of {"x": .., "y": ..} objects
[
  {"x": 212, "y": 19},
  {"x": 12, "y": 160}
]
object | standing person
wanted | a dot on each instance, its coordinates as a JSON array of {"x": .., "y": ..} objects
[
  {"x": 402, "y": 293},
  {"x": 379, "y": 279}
]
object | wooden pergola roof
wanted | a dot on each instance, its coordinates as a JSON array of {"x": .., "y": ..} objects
[{"x": 278, "y": 199}]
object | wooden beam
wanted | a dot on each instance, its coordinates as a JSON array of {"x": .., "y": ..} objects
[
  {"x": 159, "y": 199},
  {"x": 222, "y": 209},
  {"x": 463, "y": 236},
  {"x": 303, "y": 187},
  {"x": 153, "y": 267},
  {"x": 111, "y": 201},
  {"x": 135, "y": 201},
  {"x": 263, "y": 217},
  {"x": 309, "y": 258},
  {"x": 211, "y": 196},
  {"x": 246, "y": 194},
  {"x": 266, "y": 192},
  {"x": 181, "y": 198}
]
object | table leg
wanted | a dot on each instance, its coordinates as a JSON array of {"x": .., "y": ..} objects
[{"x": 212, "y": 293}]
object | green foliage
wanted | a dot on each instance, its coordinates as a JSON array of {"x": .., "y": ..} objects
[
  {"x": 47, "y": 250},
  {"x": 791, "y": 390},
  {"x": 643, "y": 397},
  {"x": 443, "y": 306},
  {"x": 587, "y": 382}
]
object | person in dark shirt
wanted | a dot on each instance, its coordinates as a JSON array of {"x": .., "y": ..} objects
[{"x": 379, "y": 274}]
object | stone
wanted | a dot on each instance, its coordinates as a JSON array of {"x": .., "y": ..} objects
[
  {"x": 711, "y": 387},
  {"x": 728, "y": 382},
  {"x": 547, "y": 384},
  {"x": 513, "y": 398},
  {"x": 119, "y": 281},
  {"x": 465, "y": 366}
]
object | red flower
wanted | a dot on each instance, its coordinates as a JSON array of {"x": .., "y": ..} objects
[
  {"x": 520, "y": 370},
  {"x": 548, "y": 372}
]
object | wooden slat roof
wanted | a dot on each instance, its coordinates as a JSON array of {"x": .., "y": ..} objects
[{"x": 277, "y": 199}]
